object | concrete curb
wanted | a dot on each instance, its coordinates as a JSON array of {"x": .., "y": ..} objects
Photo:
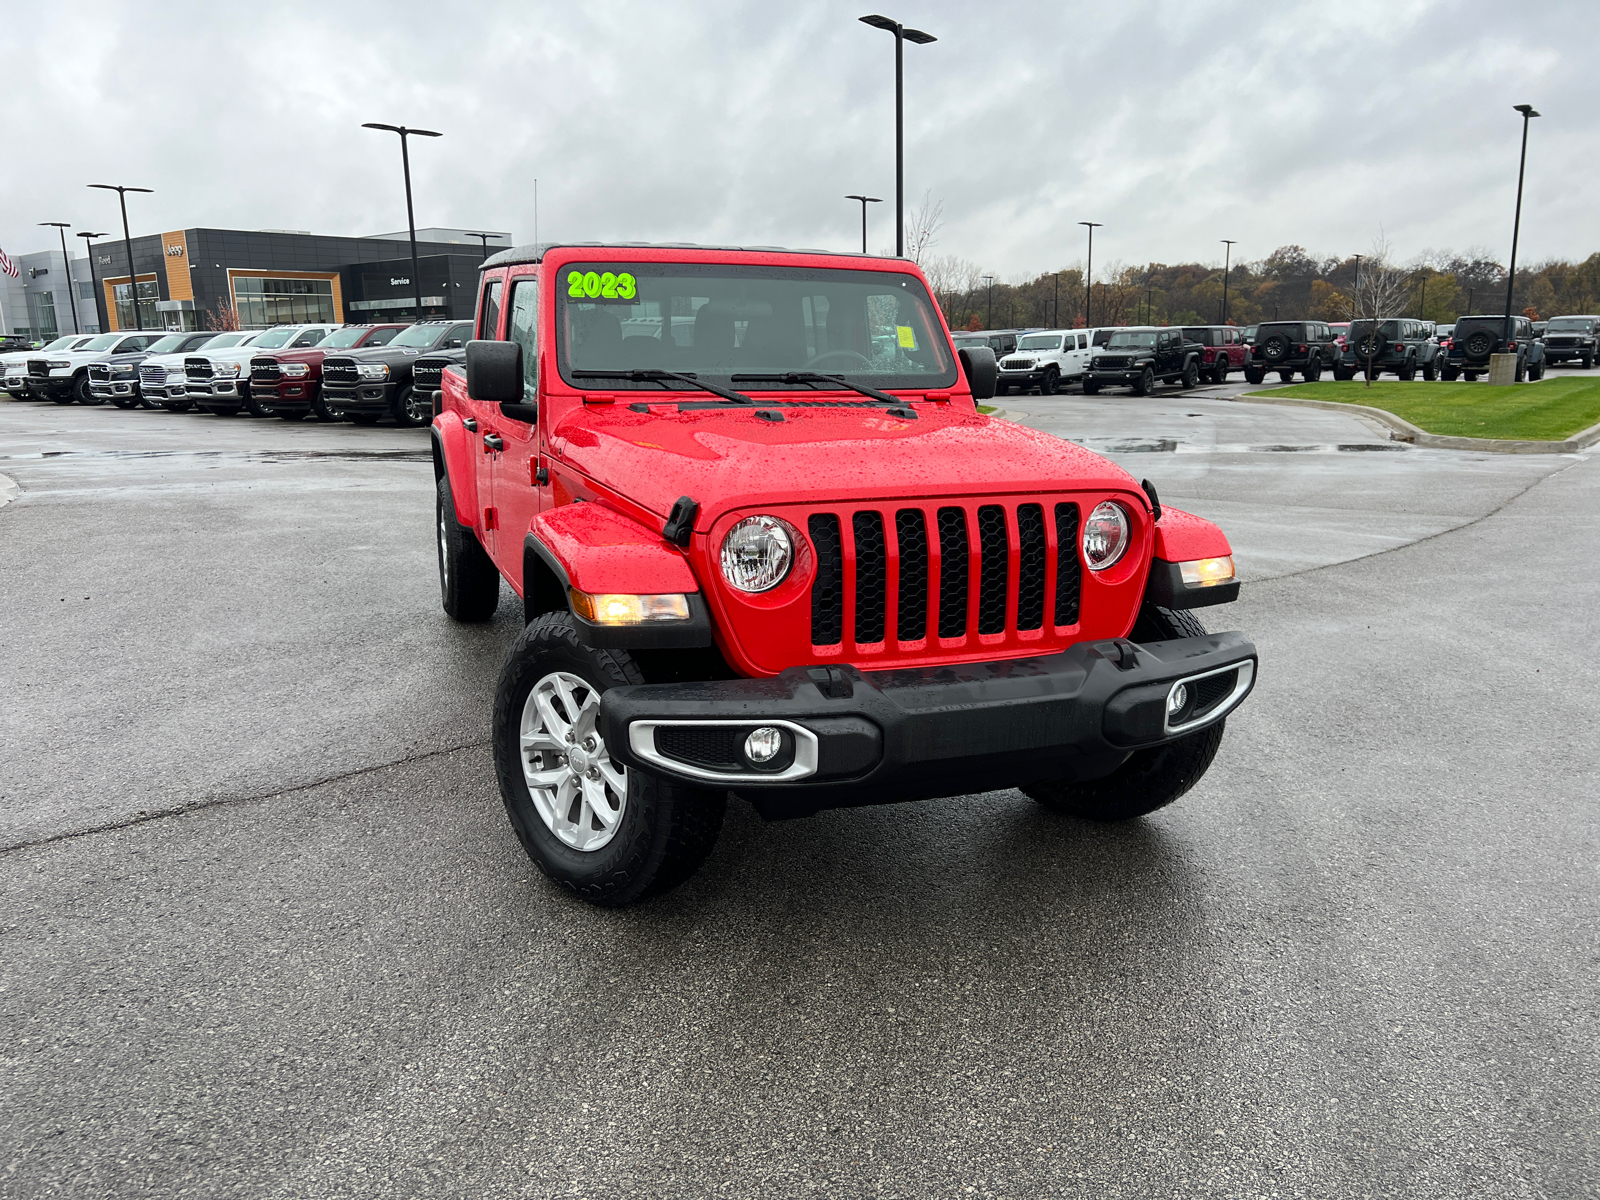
[
  {"x": 8, "y": 490},
  {"x": 1401, "y": 430}
]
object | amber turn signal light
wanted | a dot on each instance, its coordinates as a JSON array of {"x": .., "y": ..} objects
[
  {"x": 617, "y": 608},
  {"x": 1207, "y": 572}
]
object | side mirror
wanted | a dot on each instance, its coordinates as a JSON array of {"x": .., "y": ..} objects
[
  {"x": 982, "y": 372},
  {"x": 494, "y": 372}
]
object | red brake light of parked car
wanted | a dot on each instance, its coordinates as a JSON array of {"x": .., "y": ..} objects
[{"x": 1302, "y": 349}]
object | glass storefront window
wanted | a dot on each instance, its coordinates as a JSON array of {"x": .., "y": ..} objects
[
  {"x": 148, "y": 295},
  {"x": 44, "y": 314},
  {"x": 264, "y": 301}
]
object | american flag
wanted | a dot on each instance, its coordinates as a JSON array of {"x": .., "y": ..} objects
[{"x": 9, "y": 267}]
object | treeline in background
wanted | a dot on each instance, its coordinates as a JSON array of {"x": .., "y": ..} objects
[{"x": 1289, "y": 284}]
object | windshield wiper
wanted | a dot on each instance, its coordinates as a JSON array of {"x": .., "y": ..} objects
[
  {"x": 656, "y": 375},
  {"x": 815, "y": 377}
]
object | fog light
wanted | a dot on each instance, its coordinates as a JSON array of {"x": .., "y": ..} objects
[
  {"x": 763, "y": 745},
  {"x": 1176, "y": 699}
]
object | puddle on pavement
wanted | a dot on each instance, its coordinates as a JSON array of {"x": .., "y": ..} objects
[
  {"x": 232, "y": 455},
  {"x": 1178, "y": 446}
]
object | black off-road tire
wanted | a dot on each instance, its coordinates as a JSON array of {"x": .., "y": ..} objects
[
  {"x": 1219, "y": 370},
  {"x": 1587, "y": 362},
  {"x": 1521, "y": 373},
  {"x": 400, "y": 407},
  {"x": 1275, "y": 348},
  {"x": 258, "y": 407},
  {"x": 1050, "y": 382},
  {"x": 1343, "y": 374},
  {"x": 1535, "y": 372},
  {"x": 1149, "y": 779},
  {"x": 320, "y": 409},
  {"x": 1191, "y": 375},
  {"x": 1313, "y": 371},
  {"x": 1091, "y": 387},
  {"x": 1146, "y": 383},
  {"x": 1470, "y": 376},
  {"x": 469, "y": 583},
  {"x": 1407, "y": 373},
  {"x": 1430, "y": 372},
  {"x": 1479, "y": 343},
  {"x": 1449, "y": 374},
  {"x": 1254, "y": 375},
  {"x": 1286, "y": 376},
  {"x": 81, "y": 393},
  {"x": 665, "y": 832},
  {"x": 1373, "y": 372}
]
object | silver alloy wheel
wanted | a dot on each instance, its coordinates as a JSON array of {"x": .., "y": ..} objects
[
  {"x": 579, "y": 792},
  {"x": 419, "y": 408},
  {"x": 444, "y": 552}
]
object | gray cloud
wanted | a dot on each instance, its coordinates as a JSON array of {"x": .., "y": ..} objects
[{"x": 1175, "y": 124}]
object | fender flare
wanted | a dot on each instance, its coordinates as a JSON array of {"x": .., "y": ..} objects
[
  {"x": 1183, "y": 537},
  {"x": 595, "y": 549},
  {"x": 453, "y": 457}
]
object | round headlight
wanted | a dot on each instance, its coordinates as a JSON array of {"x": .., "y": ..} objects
[
  {"x": 757, "y": 554},
  {"x": 1105, "y": 535}
]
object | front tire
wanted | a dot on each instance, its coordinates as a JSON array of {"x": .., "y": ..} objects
[
  {"x": 606, "y": 833},
  {"x": 1219, "y": 370},
  {"x": 469, "y": 583},
  {"x": 1149, "y": 779},
  {"x": 1091, "y": 387},
  {"x": 1254, "y": 376},
  {"x": 1050, "y": 382},
  {"x": 1191, "y": 376},
  {"x": 1146, "y": 383},
  {"x": 1430, "y": 373},
  {"x": 1313, "y": 371},
  {"x": 411, "y": 409}
]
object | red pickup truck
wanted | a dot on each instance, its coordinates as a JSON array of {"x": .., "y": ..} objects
[
  {"x": 1224, "y": 349},
  {"x": 289, "y": 382},
  {"x": 766, "y": 546}
]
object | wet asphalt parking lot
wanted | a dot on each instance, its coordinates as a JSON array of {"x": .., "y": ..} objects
[{"x": 267, "y": 933}]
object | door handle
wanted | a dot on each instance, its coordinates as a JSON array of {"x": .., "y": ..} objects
[
  {"x": 470, "y": 424},
  {"x": 493, "y": 441}
]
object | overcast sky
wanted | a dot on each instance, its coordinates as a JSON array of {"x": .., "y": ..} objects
[{"x": 1175, "y": 124}]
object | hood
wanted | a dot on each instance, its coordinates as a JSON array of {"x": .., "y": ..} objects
[
  {"x": 306, "y": 354},
  {"x": 730, "y": 458},
  {"x": 173, "y": 360},
  {"x": 383, "y": 354}
]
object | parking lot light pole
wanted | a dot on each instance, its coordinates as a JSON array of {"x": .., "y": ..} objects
[
  {"x": 865, "y": 200},
  {"x": 1055, "y": 299},
  {"x": 411, "y": 220},
  {"x": 88, "y": 249},
  {"x": 127, "y": 244},
  {"x": 61, "y": 227},
  {"x": 483, "y": 240},
  {"x": 901, "y": 36},
  {"x": 989, "y": 279},
  {"x": 1227, "y": 257},
  {"x": 1355, "y": 291},
  {"x": 1516, "y": 226},
  {"x": 1088, "y": 275}
]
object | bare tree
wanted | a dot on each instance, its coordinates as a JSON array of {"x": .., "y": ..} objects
[
  {"x": 1381, "y": 285},
  {"x": 222, "y": 316},
  {"x": 923, "y": 231}
]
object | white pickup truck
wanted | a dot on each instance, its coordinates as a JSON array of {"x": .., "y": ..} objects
[
  {"x": 219, "y": 380},
  {"x": 161, "y": 377},
  {"x": 1047, "y": 359},
  {"x": 63, "y": 375},
  {"x": 14, "y": 366}
]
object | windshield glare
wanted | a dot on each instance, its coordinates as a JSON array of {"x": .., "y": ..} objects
[
  {"x": 343, "y": 339},
  {"x": 61, "y": 343},
  {"x": 104, "y": 342},
  {"x": 274, "y": 337},
  {"x": 222, "y": 341},
  {"x": 1039, "y": 343},
  {"x": 420, "y": 336},
  {"x": 167, "y": 344},
  {"x": 720, "y": 321},
  {"x": 1569, "y": 325},
  {"x": 1131, "y": 341}
]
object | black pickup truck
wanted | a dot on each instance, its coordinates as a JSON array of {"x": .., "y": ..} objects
[
  {"x": 364, "y": 385},
  {"x": 1138, "y": 357}
]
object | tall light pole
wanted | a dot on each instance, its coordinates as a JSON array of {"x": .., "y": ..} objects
[
  {"x": 1516, "y": 227},
  {"x": 865, "y": 200},
  {"x": 127, "y": 244},
  {"x": 989, "y": 279},
  {"x": 88, "y": 250},
  {"x": 1055, "y": 299},
  {"x": 411, "y": 220},
  {"x": 483, "y": 240},
  {"x": 1355, "y": 291},
  {"x": 1227, "y": 258},
  {"x": 61, "y": 227},
  {"x": 1088, "y": 276},
  {"x": 901, "y": 36}
]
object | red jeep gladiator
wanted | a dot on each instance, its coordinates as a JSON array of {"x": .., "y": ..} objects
[
  {"x": 289, "y": 382},
  {"x": 766, "y": 545}
]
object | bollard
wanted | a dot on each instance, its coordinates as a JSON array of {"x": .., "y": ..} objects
[{"x": 1502, "y": 370}]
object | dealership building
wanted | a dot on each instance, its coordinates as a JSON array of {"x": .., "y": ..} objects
[{"x": 210, "y": 278}]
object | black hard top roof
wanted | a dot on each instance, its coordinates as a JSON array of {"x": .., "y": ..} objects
[{"x": 535, "y": 253}]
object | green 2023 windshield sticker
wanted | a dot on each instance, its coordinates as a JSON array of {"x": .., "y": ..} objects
[{"x": 602, "y": 286}]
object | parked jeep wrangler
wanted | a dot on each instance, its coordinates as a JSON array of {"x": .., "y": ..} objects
[
  {"x": 1398, "y": 346},
  {"x": 366, "y": 385},
  {"x": 1139, "y": 357},
  {"x": 1475, "y": 339},
  {"x": 1290, "y": 346},
  {"x": 766, "y": 545},
  {"x": 1572, "y": 338},
  {"x": 1046, "y": 360},
  {"x": 289, "y": 382},
  {"x": 1223, "y": 350}
]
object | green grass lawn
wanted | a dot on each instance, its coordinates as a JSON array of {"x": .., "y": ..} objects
[{"x": 1551, "y": 410}]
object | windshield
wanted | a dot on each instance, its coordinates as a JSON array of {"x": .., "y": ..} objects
[
  {"x": 721, "y": 320},
  {"x": 343, "y": 339},
  {"x": 222, "y": 341},
  {"x": 104, "y": 342},
  {"x": 1039, "y": 343},
  {"x": 418, "y": 335},
  {"x": 62, "y": 343},
  {"x": 1569, "y": 325},
  {"x": 1132, "y": 340},
  {"x": 167, "y": 344},
  {"x": 274, "y": 337}
]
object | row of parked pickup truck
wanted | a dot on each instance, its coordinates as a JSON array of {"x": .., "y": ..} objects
[
  {"x": 333, "y": 372},
  {"x": 1140, "y": 357}
]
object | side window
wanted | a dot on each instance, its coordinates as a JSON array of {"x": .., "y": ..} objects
[
  {"x": 380, "y": 337},
  {"x": 458, "y": 336},
  {"x": 489, "y": 313},
  {"x": 1083, "y": 341},
  {"x": 524, "y": 330},
  {"x": 309, "y": 338}
]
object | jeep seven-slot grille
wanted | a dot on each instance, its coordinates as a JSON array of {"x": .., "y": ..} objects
[
  {"x": 996, "y": 534},
  {"x": 341, "y": 372},
  {"x": 265, "y": 370}
]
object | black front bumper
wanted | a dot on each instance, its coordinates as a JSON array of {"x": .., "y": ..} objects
[
  {"x": 361, "y": 397},
  {"x": 854, "y": 738}
]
